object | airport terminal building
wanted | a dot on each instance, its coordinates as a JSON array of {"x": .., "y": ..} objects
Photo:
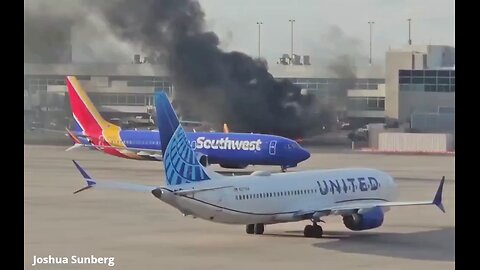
[{"x": 416, "y": 89}]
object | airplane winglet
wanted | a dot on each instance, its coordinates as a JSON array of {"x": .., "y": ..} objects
[
  {"x": 88, "y": 179},
  {"x": 437, "y": 200}
]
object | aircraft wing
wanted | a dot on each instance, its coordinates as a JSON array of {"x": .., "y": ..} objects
[{"x": 345, "y": 208}]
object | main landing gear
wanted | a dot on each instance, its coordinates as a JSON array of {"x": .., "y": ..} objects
[
  {"x": 255, "y": 228},
  {"x": 314, "y": 231},
  {"x": 284, "y": 168}
]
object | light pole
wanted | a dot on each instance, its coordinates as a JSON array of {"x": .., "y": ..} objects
[
  {"x": 409, "y": 31},
  {"x": 291, "y": 45},
  {"x": 371, "y": 24},
  {"x": 259, "y": 25}
]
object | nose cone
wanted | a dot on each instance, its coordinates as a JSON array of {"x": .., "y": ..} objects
[{"x": 304, "y": 154}]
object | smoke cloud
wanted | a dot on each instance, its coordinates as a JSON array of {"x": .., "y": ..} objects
[
  {"x": 222, "y": 86},
  {"x": 217, "y": 86}
]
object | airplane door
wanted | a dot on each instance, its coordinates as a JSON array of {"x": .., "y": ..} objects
[{"x": 272, "y": 148}]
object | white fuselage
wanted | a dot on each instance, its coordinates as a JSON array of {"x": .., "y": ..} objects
[{"x": 280, "y": 197}]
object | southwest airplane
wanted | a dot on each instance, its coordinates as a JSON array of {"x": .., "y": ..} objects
[
  {"x": 232, "y": 150},
  {"x": 360, "y": 195}
]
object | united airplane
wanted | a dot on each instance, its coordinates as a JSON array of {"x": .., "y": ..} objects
[
  {"x": 232, "y": 150},
  {"x": 361, "y": 196}
]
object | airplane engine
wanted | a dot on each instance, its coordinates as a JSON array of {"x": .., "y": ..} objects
[
  {"x": 368, "y": 220},
  {"x": 203, "y": 159}
]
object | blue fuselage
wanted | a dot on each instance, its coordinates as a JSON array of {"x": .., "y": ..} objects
[{"x": 229, "y": 149}]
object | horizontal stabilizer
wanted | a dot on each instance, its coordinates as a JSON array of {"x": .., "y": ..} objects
[
  {"x": 193, "y": 191},
  {"x": 107, "y": 184}
]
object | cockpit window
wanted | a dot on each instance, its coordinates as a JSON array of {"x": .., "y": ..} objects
[{"x": 291, "y": 146}]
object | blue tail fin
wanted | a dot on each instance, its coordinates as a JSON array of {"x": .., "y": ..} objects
[{"x": 180, "y": 161}]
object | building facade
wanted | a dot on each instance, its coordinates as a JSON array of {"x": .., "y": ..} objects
[{"x": 420, "y": 81}]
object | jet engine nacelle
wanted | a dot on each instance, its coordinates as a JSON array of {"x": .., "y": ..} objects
[
  {"x": 203, "y": 159},
  {"x": 368, "y": 220}
]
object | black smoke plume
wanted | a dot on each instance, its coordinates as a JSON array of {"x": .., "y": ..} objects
[
  {"x": 222, "y": 86},
  {"x": 46, "y": 37}
]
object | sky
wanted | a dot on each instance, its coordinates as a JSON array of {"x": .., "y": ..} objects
[{"x": 433, "y": 22}]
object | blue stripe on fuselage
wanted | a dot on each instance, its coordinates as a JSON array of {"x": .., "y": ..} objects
[{"x": 227, "y": 148}]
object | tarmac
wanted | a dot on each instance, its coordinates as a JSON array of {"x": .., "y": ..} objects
[{"x": 141, "y": 232}]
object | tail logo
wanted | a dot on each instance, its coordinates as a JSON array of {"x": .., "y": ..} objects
[{"x": 181, "y": 164}]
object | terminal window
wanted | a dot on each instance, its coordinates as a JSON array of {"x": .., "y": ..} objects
[{"x": 427, "y": 80}]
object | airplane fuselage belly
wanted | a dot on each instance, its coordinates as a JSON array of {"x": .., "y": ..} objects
[{"x": 280, "y": 197}]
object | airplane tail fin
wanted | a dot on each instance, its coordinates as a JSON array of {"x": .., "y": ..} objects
[
  {"x": 181, "y": 163},
  {"x": 86, "y": 116}
]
